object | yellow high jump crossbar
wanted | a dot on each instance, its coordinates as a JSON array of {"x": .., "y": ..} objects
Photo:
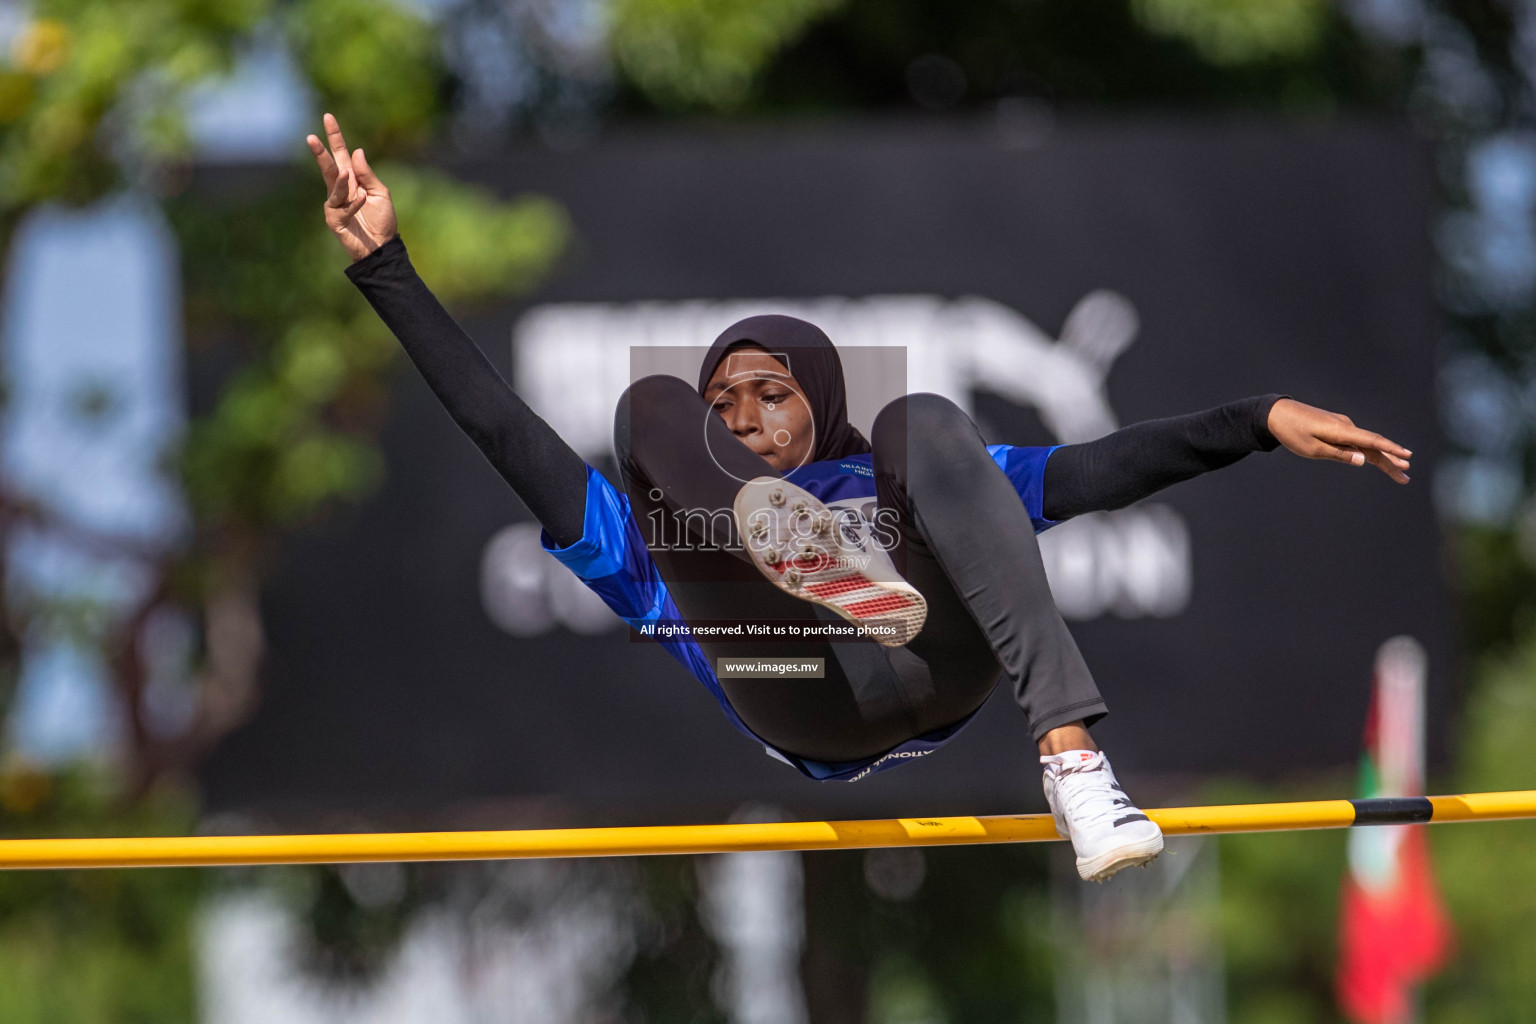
[{"x": 212, "y": 851}]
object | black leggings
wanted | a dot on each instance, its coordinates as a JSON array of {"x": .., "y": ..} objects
[{"x": 966, "y": 544}]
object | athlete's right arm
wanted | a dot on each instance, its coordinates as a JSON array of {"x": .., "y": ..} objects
[
  {"x": 546, "y": 473},
  {"x": 1143, "y": 458}
]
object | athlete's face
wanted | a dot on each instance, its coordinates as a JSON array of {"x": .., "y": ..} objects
[{"x": 764, "y": 406}]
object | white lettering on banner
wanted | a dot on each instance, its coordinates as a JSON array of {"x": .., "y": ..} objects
[
  {"x": 1132, "y": 562},
  {"x": 571, "y": 362},
  {"x": 525, "y": 591}
]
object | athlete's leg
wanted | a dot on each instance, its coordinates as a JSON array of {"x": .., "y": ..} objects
[
  {"x": 677, "y": 455},
  {"x": 1072, "y": 736},
  {"x": 966, "y": 538},
  {"x": 961, "y": 518}
]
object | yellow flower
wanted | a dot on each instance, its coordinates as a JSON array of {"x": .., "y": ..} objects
[{"x": 43, "y": 47}]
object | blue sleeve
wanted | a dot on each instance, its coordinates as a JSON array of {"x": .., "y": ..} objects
[
  {"x": 612, "y": 560},
  {"x": 1025, "y": 468}
]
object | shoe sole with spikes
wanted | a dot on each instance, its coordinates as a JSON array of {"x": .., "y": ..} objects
[
  {"x": 802, "y": 547},
  {"x": 1111, "y": 862}
]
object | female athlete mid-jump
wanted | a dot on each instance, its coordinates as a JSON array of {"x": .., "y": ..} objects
[{"x": 908, "y": 561}]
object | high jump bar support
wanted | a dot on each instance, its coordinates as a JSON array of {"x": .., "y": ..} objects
[{"x": 213, "y": 851}]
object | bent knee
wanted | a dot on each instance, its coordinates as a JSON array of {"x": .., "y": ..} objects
[
  {"x": 932, "y": 419},
  {"x": 652, "y": 400},
  {"x": 658, "y": 390}
]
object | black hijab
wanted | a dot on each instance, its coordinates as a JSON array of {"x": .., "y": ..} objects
[{"x": 814, "y": 363}]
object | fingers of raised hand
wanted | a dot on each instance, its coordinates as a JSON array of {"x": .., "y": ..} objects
[
  {"x": 1390, "y": 453},
  {"x": 333, "y": 136},
  {"x": 1319, "y": 434},
  {"x": 341, "y": 191},
  {"x": 1353, "y": 435},
  {"x": 365, "y": 176},
  {"x": 338, "y": 145},
  {"x": 323, "y": 157},
  {"x": 1353, "y": 456},
  {"x": 1345, "y": 453},
  {"x": 1386, "y": 463},
  {"x": 341, "y": 212}
]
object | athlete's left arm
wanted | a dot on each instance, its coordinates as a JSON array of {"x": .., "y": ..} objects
[{"x": 1143, "y": 458}]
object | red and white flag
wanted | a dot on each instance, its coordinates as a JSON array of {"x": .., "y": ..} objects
[{"x": 1394, "y": 930}]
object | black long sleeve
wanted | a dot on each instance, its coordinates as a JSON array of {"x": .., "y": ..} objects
[
  {"x": 1135, "y": 461},
  {"x": 546, "y": 473}
]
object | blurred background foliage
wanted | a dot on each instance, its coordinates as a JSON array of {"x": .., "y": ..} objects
[
  {"x": 97, "y": 103},
  {"x": 95, "y": 946},
  {"x": 704, "y": 55},
  {"x": 93, "y": 102}
]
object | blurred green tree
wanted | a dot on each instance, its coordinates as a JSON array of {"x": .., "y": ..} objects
[
  {"x": 705, "y": 53},
  {"x": 93, "y": 101}
]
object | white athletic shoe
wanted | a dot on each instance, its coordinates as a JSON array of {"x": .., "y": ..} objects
[
  {"x": 816, "y": 555},
  {"x": 1108, "y": 832}
]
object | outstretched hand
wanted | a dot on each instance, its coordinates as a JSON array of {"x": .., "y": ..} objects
[
  {"x": 358, "y": 209},
  {"x": 1315, "y": 433}
]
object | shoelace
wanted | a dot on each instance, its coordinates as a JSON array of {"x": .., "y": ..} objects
[{"x": 1078, "y": 789}]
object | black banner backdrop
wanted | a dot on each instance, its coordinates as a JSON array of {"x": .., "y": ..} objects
[{"x": 1232, "y": 625}]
